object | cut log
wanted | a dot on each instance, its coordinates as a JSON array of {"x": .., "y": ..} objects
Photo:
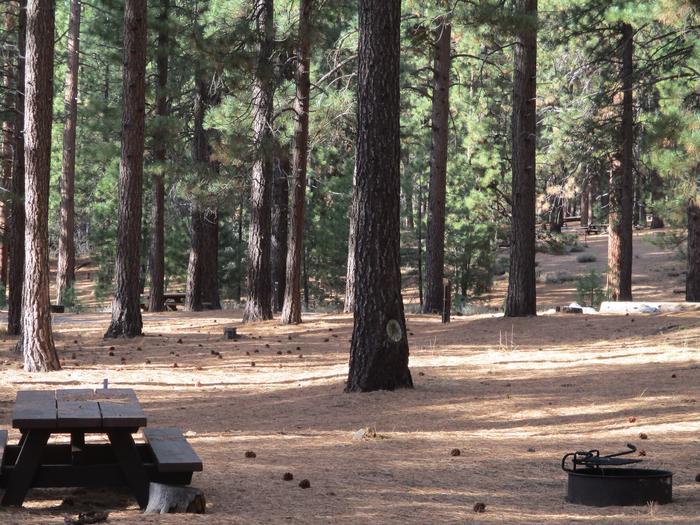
[
  {"x": 230, "y": 332},
  {"x": 569, "y": 309},
  {"x": 170, "y": 499}
]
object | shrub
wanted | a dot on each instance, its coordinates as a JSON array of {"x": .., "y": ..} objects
[
  {"x": 586, "y": 258},
  {"x": 558, "y": 244},
  {"x": 3, "y": 297},
  {"x": 590, "y": 290}
]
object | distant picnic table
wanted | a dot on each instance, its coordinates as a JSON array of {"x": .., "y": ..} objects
[
  {"x": 172, "y": 300},
  {"x": 165, "y": 457}
]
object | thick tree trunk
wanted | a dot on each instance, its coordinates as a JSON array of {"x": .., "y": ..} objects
[
  {"x": 621, "y": 188},
  {"x": 280, "y": 213},
  {"x": 379, "y": 348},
  {"x": 8, "y": 134},
  {"x": 349, "y": 305},
  {"x": 259, "y": 305},
  {"x": 15, "y": 274},
  {"x": 126, "y": 311},
  {"x": 37, "y": 339},
  {"x": 156, "y": 301},
  {"x": 65, "y": 276},
  {"x": 521, "y": 299},
  {"x": 193, "y": 298},
  {"x": 692, "y": 280},
  {"x": 210, "y": 276},
  {"x": 435, "y": 235}
]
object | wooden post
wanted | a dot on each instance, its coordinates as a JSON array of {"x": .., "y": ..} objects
[
  {"x": 230, "y": 332},
  {"x": 446, "y": 300}
]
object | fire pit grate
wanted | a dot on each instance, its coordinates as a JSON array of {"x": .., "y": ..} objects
[{"x": 597, "y": 481}]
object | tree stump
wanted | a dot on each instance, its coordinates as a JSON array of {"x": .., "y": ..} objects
[
  {"x": 230, "y": 332},
  {"x": 170, "y": 499}
]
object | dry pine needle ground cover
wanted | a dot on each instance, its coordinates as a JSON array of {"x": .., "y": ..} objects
[{"x": 512, "y": 409}]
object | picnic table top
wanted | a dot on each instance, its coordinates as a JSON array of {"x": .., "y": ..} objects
[{"x": 77, "y": 409}]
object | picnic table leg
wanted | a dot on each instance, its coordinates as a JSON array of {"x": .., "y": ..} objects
[
  {"x": 33, "y": 444},
  {"x": 131, "y": 464},
  {"x": 77, "y": 445}
]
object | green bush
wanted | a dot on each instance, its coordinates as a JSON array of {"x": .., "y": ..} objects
[
  {"x": 586, "y": 258},
  {"x": 590, "y": 289},
  {"x": 3, "y": 297},
  {"x": 558, "y": 244},
  {"x": 70, "y": 299}
]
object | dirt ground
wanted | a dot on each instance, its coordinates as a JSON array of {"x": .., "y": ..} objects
[{"x": 513, "y": 395}]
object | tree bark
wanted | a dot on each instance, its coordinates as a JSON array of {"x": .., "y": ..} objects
[
  {"x": 210, "y": 275},
  {"x": 259, "y": 304},
  {"x": 435, "y": 235},
  {"x": 200, "y": 156},
  {"x": 622, "y": 187},
  {"x": 379, "y": 348},
  {"x": 37, "y": 339},
  {"x": 349, "y": 305},
  {"x": 15, "y": 274},
  {"x": 156, "y": 302},
  {"x": 521, "y": 299},
  {"x": 8, "y": 133},
  {"x": 692, "y": 280},
  {"x": 291, "y": 310},
  {"x": 65, "y": 276},
  {"x": 193, "y": 298},
  {"x": 585, "y": 204},
  {"x": 126, "y": 311},
  {"x": 280, "y": 213}
]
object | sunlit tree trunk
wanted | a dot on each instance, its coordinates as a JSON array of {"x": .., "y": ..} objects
[
  {"x": 259, "y": 304},
  {"x": 379, "y": 348},
  {"x": 521, "y": 299},
  {"x": 280, "y": 215},
  {"x": 37, "y": 339},
  {"x": 126, "y": 311},
  {"x": 621, "y": 205},
  {"x": 352, "y": 242}
]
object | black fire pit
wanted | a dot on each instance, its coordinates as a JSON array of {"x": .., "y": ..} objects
[{"x": 597, "y": 481}]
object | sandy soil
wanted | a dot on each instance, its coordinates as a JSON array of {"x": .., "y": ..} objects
[{"x": 512, "y": 394}]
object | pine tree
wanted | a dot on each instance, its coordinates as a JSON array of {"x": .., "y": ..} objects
[
  {"x": 65, "y": 275},
  {"x": 37, "y": 338},
  {"x": 126, "y": 310},
  {"x": 379, "y": 348}
]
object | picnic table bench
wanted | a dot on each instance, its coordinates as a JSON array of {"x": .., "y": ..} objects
[{"x": 165, "y": 457}]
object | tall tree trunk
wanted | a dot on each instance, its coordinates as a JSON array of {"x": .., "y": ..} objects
[
  {"x": 291, "y": 310},
  {"x": 435, "y": 235},
  {"x": 585, "y": 204},
  {"x": 15, "y": 274},
  {"x": 692, "y": 280},
  {"x": 239, "y": 252},
  {"x": 259, "y": 305},
  {"x": 126, "y": 311},
  {"x": 280, "y": 213},
  {"x": 420, "y": 244},
  {"x": 65, "y": 276},
  {"x": 622, "y": 187},
  {"x": 200, "y": 156},
  {"x": 8, "y": 133},
  {"x": 379, "y": 348},
  {"x": 349, "y": 305},
  {"x": 37, "y": 339},
  {"x": 521, "y": 299},
  {"x": 193, "y": 298},
  {"x": 156, "y": 302},
  {"x": 210, "y": 275}
]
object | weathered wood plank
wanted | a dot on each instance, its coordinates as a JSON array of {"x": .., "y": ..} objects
[
  {"x": 171, "y": 450},
  {"x": 77, "y": 409},
  {"x": 120, "y": 408},
  {"x": 35, "y": 409}
]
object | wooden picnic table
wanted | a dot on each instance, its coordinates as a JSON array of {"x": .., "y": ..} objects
[{"x": 166, "y": 457}]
